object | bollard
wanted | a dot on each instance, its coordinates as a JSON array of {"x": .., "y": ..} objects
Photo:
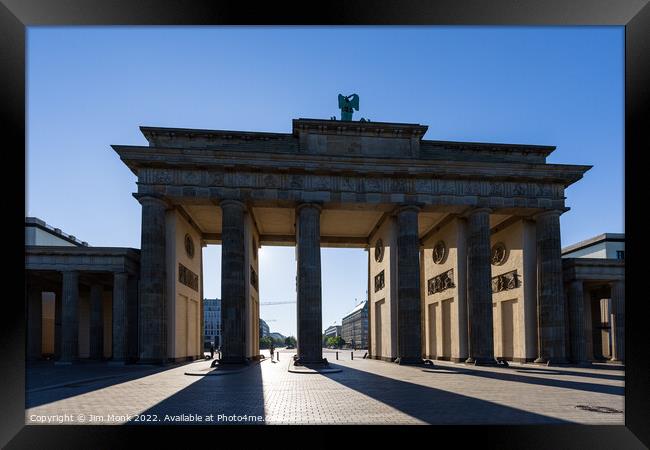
[
  {"x": 337, "y": 356},
  {"x": 351, "y": 355},
  {"x": 278, "y": 356}
]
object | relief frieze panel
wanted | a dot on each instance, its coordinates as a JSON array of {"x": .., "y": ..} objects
[
  {"x": 505, "y": 281},
  {"x": 188, "y": 278},
  {"x": 441, "y": 282},
  {"x": 399, "y": 185},
  {"x": 270, "y": 181},
  {"x": 346, "y": 183},
  {"x": 372, "y": 185}
]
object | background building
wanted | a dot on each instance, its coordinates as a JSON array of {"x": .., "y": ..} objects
[
  {"x": 99, "y": 318},
  {"x": 212, "y": 321},
  {"x": 354, "y": 328},
  {"x": 275, "y": 335},
  {"x": 594, "y": 285},
  {"x": 264, "y": 329},
  {"x": 332, "y": 331},
  {"x": 603, "y": 246},
  {"x": 37, "y": 232}
]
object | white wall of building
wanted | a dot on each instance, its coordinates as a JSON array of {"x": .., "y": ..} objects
[{"x": 38, "y": 236}]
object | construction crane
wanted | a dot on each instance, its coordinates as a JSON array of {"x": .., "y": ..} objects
[{"x": 276, "y": 303}]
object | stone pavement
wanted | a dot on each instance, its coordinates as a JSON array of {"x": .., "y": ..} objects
[{"x": 364, "y": 392}]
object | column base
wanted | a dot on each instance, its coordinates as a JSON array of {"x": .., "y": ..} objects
[
  {"x": 481, "y": 361},
  {"x": 302, "y": 361},
  {"x": 582, "y": 363},
  {"x": 62, "y": 363},
  {"x": 116, "y": 362},
  {"x": 552, "y": 361},
  {"x": 232, "y": 360},
  {"x": 409, "y": 361}
]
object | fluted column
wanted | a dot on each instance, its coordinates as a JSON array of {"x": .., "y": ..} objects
[
  {"x": 550, "y": 295},
  {"x": 153, "y": 280},
  {"x": 34, "y": 322},
  {"x": 618, "y": 320},
  {"x": 577, "y": 322},
  {"x": 409, "y": 342},
  {"x": 58, "y": 302},
  {"x": 70, "y": 317},
  {"x": 233, "y": 282},
  {"x": 96, "y": 322},
  {"x": 120, "y": 295},
  {"x": 479, "y": 288},
  {"x": 308, "y": 283}
]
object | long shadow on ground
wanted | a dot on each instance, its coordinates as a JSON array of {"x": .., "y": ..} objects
[
  {"x": 46, "y": 383},
  {"x": 433, "y": 406},
  {"x": 543, "y": 370},
  {"x": 506, "y": 374},
  {"x": 223, "y": 396}
]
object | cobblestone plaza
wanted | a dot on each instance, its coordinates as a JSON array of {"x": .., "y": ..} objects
[{"x": 366, "y": 391}]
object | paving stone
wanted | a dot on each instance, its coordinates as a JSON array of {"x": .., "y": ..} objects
[{"x": 364, "y": 392}]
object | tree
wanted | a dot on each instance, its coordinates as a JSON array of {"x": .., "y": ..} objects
[
  {"x": 265, "y": 342},
  {"x": 336, "y": 341},
  {"x": 290, "y": 341}
]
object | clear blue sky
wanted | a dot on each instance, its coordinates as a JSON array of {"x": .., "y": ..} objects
[{"x": 89, "y": 87}]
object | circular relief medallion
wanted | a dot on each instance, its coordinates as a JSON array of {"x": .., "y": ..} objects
[
  {"x": 439, "y": 252},
  {"x": 189, "y": 246},
  {"x": 379, "y": 250},
  {"x": 499, "y": 254}
]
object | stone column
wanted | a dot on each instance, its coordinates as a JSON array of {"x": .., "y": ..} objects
[
  {"x": 618, "y": 320},
  {"x": 233, "y": 282},
  {"x": 153, "y": 280},
  {"x": 132, "y": 318},
  {"x": 577, "y": 322},
  {"x": 120, "y": 295},
  {"x": 479, "y": 288},
  {"x": 58, "y": 302},
  {"x": 409, "y": 342},
  {"x": 34, "y": 322},
  {"x": 550, "y": 295},
  {"x": 96, "y": 322},
  {"x": 70, "y": 317},
  {"x": 308, "y": 283}
]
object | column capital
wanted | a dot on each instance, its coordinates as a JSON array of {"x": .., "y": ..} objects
[
  {"x": 232, "y": 202},
  {"x": 407, "y": 207},
  {"x": 151, "y": 197},
  {"x": 314, "y": 205},
  {"x": 70, "y": 273},
  {"x": 616, "y": 283},
  {"x": 546, "y": 213},
  {"x": 473, "y": 211},
  {"x": 577, "y": 282}
]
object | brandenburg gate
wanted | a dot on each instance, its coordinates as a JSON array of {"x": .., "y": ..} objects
[{"x": 463, "y": 239}]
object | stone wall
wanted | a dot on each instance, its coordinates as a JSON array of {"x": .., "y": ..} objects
[
  {"x": 252, "y": 311},
  {"x": 183, "y": 307},
  {"x": 515, "y": 309},
  {"x": 447, "y": 337},
  {"x": 383, "y": 342}
]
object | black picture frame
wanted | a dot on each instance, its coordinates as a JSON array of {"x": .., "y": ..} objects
[{"x": 634, "y": 15}]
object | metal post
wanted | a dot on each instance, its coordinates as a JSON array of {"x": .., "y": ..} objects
[
  {"x": 352, "y": 354},
  {"x": 337, "y": 356}
]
